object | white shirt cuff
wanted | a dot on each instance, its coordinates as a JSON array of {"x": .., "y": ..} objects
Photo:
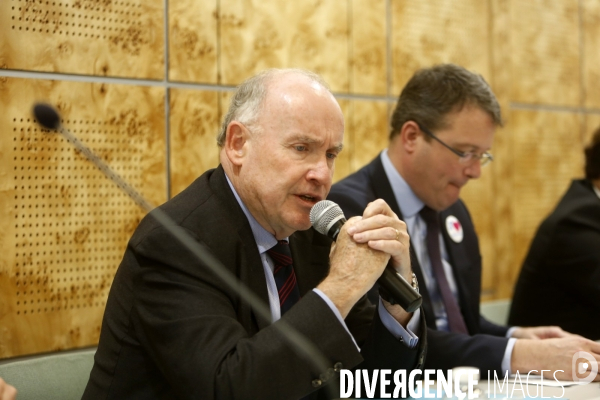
[
  {"x": 510, "y": 331},
  {"x": 508, "y": 355},
  {"x": 407, "y": 336}
]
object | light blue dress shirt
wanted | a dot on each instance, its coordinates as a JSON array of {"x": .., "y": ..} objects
[
  {"x": 265, "y": 240},
  {"x": 410, "y": 206}
]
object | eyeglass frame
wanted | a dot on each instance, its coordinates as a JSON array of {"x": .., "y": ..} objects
[{"x": 464, "y": 156}]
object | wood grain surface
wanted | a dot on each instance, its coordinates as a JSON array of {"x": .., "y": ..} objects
[
  {"x": 368, "y": 46},
  {"x": 92, "y": 37},
  {"x": 426, "y": 33},
  {"x": 260, "y": 34},
  {"x": 194, "y": 126},
  {"x": 65, "y": 225},
  {"x": 193, "y": 41},
  {"x": 590, "y": 15},
  {"x": 546, "y": 52},
  {"x": 547, "y": 149}
]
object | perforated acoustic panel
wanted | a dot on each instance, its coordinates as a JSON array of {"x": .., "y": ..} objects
[
  {"x": 99, "y": 37},
  {"x": 65, "y": 226}
]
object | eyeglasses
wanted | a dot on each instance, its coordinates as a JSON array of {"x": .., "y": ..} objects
[{"x": 464, "y": 157}]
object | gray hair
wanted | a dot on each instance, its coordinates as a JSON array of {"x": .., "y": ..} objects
[{"x": 247, "y": 101}]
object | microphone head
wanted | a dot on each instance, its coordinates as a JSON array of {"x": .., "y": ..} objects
[
  {"x": 46, "y": 116},
  {"x": 324, "y": 214}
]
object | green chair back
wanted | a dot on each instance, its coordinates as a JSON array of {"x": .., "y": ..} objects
[{"x": 58, "y": 376}]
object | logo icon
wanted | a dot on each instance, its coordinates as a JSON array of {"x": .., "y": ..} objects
[
  {"x": 454, "y": 228},
  {"x": 583, "y": 367}
]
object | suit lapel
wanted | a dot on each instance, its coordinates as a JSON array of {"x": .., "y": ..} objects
[
  {"x": 250, "y": 269},
  {"x": 380, "y": 185}
]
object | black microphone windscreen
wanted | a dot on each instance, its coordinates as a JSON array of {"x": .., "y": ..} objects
[{"x": 46, "y": 116}]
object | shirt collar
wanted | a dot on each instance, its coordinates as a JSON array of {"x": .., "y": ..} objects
[
  {"x": 407, "y": 200},
  {"x": 596, "y": 190},
  {"x": 264, "y": 239}
]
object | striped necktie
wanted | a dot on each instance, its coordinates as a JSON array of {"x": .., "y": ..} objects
[{"x": 284, "y": 275}]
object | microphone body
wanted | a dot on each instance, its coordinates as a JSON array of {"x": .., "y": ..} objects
[{"x": 328, "y": 218}]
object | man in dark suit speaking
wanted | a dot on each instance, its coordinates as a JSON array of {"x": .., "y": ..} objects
[
  {"x": 441, "y": 131},
  {"x": 172, "y": 329}
]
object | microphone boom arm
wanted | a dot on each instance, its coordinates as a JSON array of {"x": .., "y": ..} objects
[{"x": 299, "y": 343}]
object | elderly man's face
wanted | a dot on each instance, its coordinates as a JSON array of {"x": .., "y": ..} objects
[{"x": 290, "y": 155}]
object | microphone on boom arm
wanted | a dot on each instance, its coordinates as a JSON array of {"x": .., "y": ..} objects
[{"x": 50, "y": 119}]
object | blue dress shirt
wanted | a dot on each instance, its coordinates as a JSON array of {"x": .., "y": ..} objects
[
  {"x": 265, "y": 240},
  {"x": 410, "y": 206}
]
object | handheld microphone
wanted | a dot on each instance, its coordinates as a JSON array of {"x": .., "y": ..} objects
[
  {"x": 328, "y": 218},
  {"x": 50, "y": 119}
]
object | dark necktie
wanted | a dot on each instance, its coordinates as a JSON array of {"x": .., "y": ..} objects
[
  {"x": 456, "y": 323},
  {"x": 285, "y": 278}
]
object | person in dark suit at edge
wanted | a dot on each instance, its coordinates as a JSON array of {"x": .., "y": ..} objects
[
  {"x": 559, "y": 283},
  {"x": 441, "y": 131},
  {"x": 171, "y": 329}
]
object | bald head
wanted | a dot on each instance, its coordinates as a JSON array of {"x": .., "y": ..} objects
[
  {"x": 248, "y": 100},
  {"x": 279, "y": 152}
]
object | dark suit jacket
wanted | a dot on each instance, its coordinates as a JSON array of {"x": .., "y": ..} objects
[
  {"x": 172, "y": 329},
  {"x": 559, "y": 282},
  {"x": 485, "y": 346}
]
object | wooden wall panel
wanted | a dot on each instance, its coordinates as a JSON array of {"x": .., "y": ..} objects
[
  {"x": 591, "y": 52},
  {"x": 545, "y": 48},
  {"x": 427, "y": 33},
  {"x": 368, "y": 61},
  {"x": 498, "y": 272},
  {"x": 536, "y": 52},
  {"x": 592, "y": 123},
  {"x": 65, "y": 225},
  {"x": 547, "y": 155},
  {"x": 194, "y": 124},
  {"x": 343, "y": 162},
  {"x": 193, "y": 41},
  {"x": 479, "y": 197},
  {"x": 105, "y": 38},
  {"x": 260, "y": 34},
  {"x": 371, "y": 127}
]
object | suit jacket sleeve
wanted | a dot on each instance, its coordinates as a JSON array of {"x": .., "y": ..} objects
[
  {"x": 448, "y": 350},
  {"x": 573, "y": 258},
  {"x": 444, "y": 349},
  {"x": 491, "y": 328},
  {"x": 190, "y": 325}
]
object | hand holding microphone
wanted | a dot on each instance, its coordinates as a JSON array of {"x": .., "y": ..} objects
[{"x": 379, "y": 229}]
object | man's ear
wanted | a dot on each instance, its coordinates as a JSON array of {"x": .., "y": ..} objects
[
  {"x": 236, "y": 142},
  {"x": 409, "y": 135}
]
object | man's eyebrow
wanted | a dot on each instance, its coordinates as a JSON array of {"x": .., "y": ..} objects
[
  {"x": 304, "y": 139},
  {"x": 470, "y": 146},
  {"x": 308, "y": 139},
  {"x": 338, "y": 148}
]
